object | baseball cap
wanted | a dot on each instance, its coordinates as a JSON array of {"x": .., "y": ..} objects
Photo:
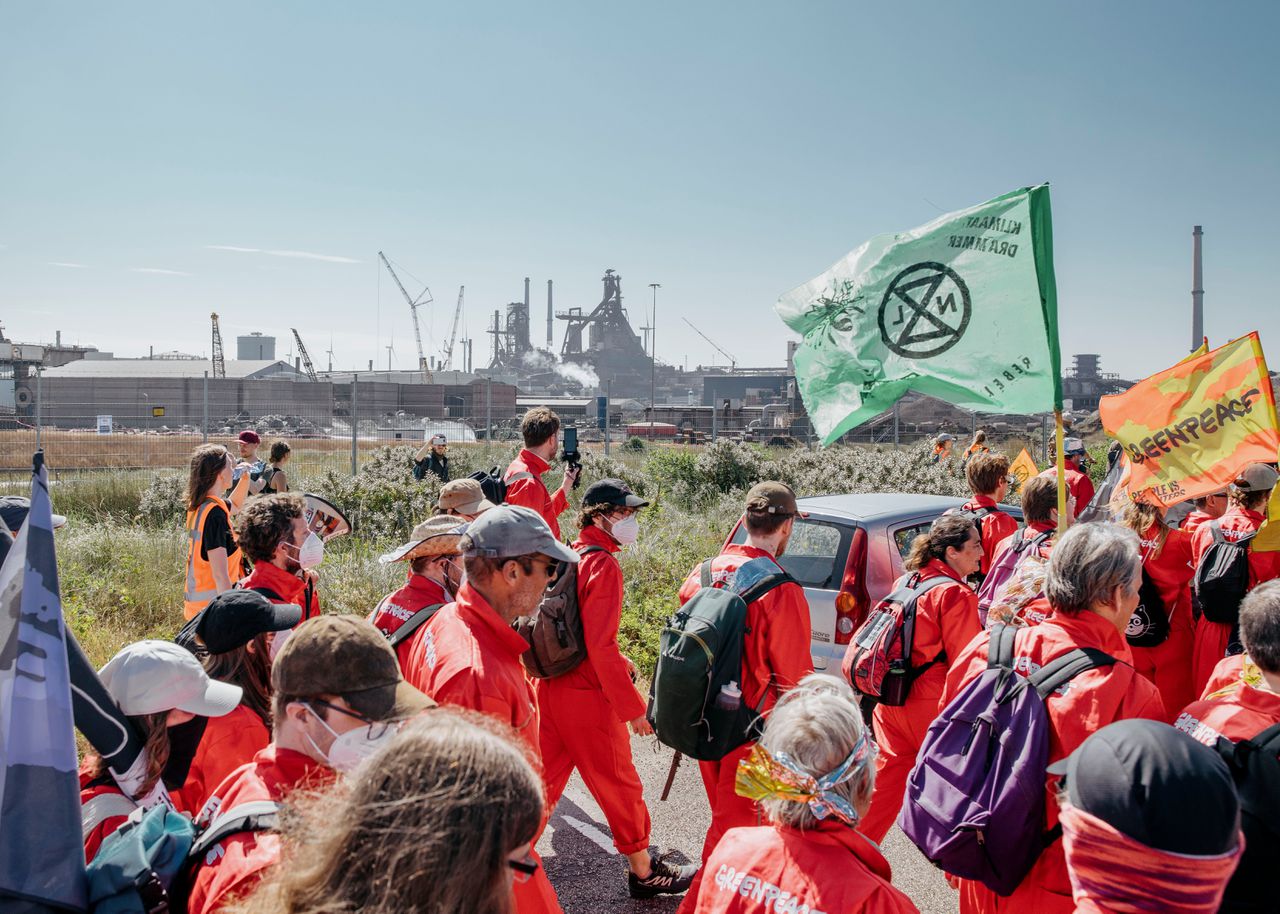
[
  {"x": 773, "y": 498},
  {"x": 438, "y": 535},
  {"x": 153, "y": 676},
  {"x": 612, "y": 492},
  {"x": 464, "y": 495},
  {"x": 511, "y": 530},
  {"x": 346, "y": 656},
  {"x": 1072, "y": 446},
  {"x": 946, "y": 436},
  {"x": 1256, "y": 477},
  {"x": 14, "y": 509},
  {"x": 249, "y": 436},
  {"x": 235, "y": 617},
  {"x": 1155, "y": 784}
]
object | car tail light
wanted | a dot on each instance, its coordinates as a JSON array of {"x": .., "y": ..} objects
[{"x": 853, "y": 603}]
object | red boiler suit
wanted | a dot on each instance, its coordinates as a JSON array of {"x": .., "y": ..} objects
[
  {"x": 1085, "y": 705},
  {"x": 468, "y": 657},
  {"x": 946, "y": 621},
  {"x": 289, "y": 586},
  {"x": 227, "y": 743},
  {"x": 1078, "y": 483},
  {"x": 1238, "y": 711},
  {"x": 399, "y": 607},
  {"x": 585, "y": 711},
  {"x": 776, "y": 649},
  {"x": 1212, "y": 638},
  {"x": 1193, "y": 521},
  {"x": 1168, "y": 665},
  {"x": 532, "y": 493},
  {"x": 232, "y": 868},
  {"x": 831, "y": 868},
  {"x": 996, "y": 527}
]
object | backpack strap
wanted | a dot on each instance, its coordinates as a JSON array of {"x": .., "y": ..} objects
[
  {"x": 1215, "y": 528},
  {"x": 1000, "y": 648},
  {"x": 102, "y": 807},
  {"x": 917, "y": 591},
  {"x": 516, "y": 477},
  {"x": 270, "y": 595},
  {"x": 256, "y": 815},
  {"x": 705, "y": 574},
  {"x": 1268, "y": 740},
  {"x": 412, "y": 624},
  {"x": 766, "y": 584},
  {"x": 1048, "y": 679}
]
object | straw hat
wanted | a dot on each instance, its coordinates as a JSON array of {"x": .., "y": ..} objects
[{"x": 437, "y": 536}]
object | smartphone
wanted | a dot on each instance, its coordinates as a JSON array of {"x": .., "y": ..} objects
[{"x": 570, "y": 439}]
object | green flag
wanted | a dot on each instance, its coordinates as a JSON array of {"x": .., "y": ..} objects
[{"x": 964, "y": 309}]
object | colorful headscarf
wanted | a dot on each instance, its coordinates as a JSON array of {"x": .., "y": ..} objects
[
  {"x": 764, "y": 775},
  {"x": 1117, "y": 873}
]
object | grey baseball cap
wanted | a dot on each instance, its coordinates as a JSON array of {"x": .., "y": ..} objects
[{"x": 510, "y": 530}]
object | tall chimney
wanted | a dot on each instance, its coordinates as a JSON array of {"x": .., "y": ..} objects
[
  {"x": 526, "y": 297},
  {"x": 550, "y": 321},
  {"x": 57, "y": 338},
  {"x": 1197, "y": 290}
]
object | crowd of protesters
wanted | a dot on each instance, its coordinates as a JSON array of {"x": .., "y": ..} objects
[{"x": 414, "y": 758}]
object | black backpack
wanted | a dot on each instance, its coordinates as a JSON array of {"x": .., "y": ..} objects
[
  {"x": 1222, "y": 578},
  {"x": 1149, "y": 624},
  {"x": 977, "y": 515},
  {"x": 554, "y": 630},
  {"x": 493, "y": 485},
  {"x": 700, "y": 657},
  {"x": 410, "y": 625},
  {"x": 1256, "y": 771}
]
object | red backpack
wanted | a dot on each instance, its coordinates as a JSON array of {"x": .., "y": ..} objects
[{"x": 878, "y": 660}]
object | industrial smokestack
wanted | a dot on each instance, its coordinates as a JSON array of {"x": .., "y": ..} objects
[
  {"x": 1197, "y": 290},
  {"x": 550, "y": 321},
  {"x": 526, "y": 296}
]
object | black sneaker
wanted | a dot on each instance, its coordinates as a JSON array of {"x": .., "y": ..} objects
[{"x": 664, "y": 879}]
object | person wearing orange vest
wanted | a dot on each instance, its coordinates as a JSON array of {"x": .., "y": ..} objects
[
  {"x": 234, "y": 639},
  {"x": 976, "y": 447},
  {"x": 540, "y": 429},
  {"x": 1249, "y": 494},
  {"x": 946, "y": 621},
  {"x": 213, "y": 556},
  {"x": 1078, "y": 482},
  {"x": 468, "y": 655},
  {"x": 942, "y": 446},
  {"x": 273, "y": 532}
]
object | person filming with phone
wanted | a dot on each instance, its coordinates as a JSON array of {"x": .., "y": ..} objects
[{"x": 541, "y": 430}]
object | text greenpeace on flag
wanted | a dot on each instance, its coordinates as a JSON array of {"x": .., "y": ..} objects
[
  {"x": 1191, "y": 428},
  {"x": 963, "y": 309}
]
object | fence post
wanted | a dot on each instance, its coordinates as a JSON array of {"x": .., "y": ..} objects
[
  {"x": 39, "y": 407},
  {"x": 488, "y": 416},
  {"x": 355, "y": 452},
  {"x": 715, "y": 419},
  {"x": 608, "y": 401},
  {"x": 897, "y": 435},
  {"x": 204, "y": 411}
]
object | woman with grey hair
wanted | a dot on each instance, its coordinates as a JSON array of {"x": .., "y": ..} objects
[
  {"x": 1092, "y": 584},
  {"x": 811, "y": 772}
]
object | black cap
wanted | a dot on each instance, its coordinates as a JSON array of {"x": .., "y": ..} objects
[
  {"x": 1157, "y": 785},
  {"x": 235, "y": 617},
  {"x": 612, "y": 492}
]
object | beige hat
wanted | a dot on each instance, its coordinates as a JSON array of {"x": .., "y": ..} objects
[
  {"x": 153, "y": 676},
  {"x": 464, "y": 496},
  {"x": 439, "y": 535}
]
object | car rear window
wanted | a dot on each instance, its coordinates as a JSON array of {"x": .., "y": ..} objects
[
  {"x": 903, "y": 537},
  {"x": 815, "y": 554}
]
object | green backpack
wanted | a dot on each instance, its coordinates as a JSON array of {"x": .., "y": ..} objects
[{"x": 695, "y": 706}]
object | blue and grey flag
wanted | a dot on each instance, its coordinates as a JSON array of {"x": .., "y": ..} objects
[{"x": 41, "y": 848}]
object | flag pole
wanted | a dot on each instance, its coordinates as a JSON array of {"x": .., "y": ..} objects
[{"x": 1063, "y": 520}]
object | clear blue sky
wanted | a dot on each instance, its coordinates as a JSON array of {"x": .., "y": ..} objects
[{"x": 729, "y": 151}]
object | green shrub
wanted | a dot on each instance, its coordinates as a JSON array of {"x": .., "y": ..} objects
[
  {"x": 634, "y": 444},
  {"x": 164, "y": 499}
]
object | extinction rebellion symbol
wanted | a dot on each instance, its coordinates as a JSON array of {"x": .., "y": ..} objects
[{"x": 925, "y": 311}]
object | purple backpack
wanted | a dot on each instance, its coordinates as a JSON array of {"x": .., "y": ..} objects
[
  {"x": 975, "y": 803},
  {"x": 992, "y": 587}
]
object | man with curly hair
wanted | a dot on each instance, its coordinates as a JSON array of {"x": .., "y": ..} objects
[{"x": 271, "y": 531}]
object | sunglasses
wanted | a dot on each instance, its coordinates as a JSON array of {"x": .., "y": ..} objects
[
  {"x": 523, "y": 869},
  {"x": 377, "y": 728}
]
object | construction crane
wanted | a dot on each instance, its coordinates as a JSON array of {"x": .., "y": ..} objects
[
  {"x": 219, "y": 363},
  {"x": 733, "y": 363},
  {"x": 305, "y": 356},
  {"x": 453, "y": 334},
  {"x": 414, "y": 303}
]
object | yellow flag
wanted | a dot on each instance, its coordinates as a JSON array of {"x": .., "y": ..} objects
[
  {"x": 1268, "y": 536},
  {"x": 1023, "y": 468}
]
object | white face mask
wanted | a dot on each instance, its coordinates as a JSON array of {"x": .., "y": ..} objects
[
  {"x": 277, "y": 642},
  {"x": 349, "y": 749},
  {"x": 311, "y": 553},
  {"x": 625, "y": 531}
]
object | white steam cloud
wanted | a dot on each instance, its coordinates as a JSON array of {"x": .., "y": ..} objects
[{"x": 570, "y": 371}]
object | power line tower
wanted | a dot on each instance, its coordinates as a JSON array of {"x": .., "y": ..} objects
[
  {"x": 414, "y": 303},
  {"x": 219, "y": 363},
  {"x": 305, "y": 356}
]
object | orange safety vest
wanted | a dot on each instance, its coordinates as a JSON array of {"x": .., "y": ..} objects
[{"x": 201, "y": 587}]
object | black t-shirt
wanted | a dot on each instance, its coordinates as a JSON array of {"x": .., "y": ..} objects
[{"x": 216, "y": 533}]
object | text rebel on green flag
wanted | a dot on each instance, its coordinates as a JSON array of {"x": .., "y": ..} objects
[{"x": 963, "y": 309}]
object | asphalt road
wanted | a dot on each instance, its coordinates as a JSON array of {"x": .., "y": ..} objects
[{"x": 590, "y": 876}]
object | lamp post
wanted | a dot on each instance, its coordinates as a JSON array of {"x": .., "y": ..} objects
[{"x": 653, "y": 358}]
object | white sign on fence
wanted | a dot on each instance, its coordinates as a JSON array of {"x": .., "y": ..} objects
[{"x": 104, "y": 425}]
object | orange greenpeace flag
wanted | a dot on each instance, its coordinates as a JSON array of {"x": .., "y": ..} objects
[{"x": 1190, "y": 429}]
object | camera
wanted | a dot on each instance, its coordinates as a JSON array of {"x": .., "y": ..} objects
[{"x": 570, "y": 456}]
